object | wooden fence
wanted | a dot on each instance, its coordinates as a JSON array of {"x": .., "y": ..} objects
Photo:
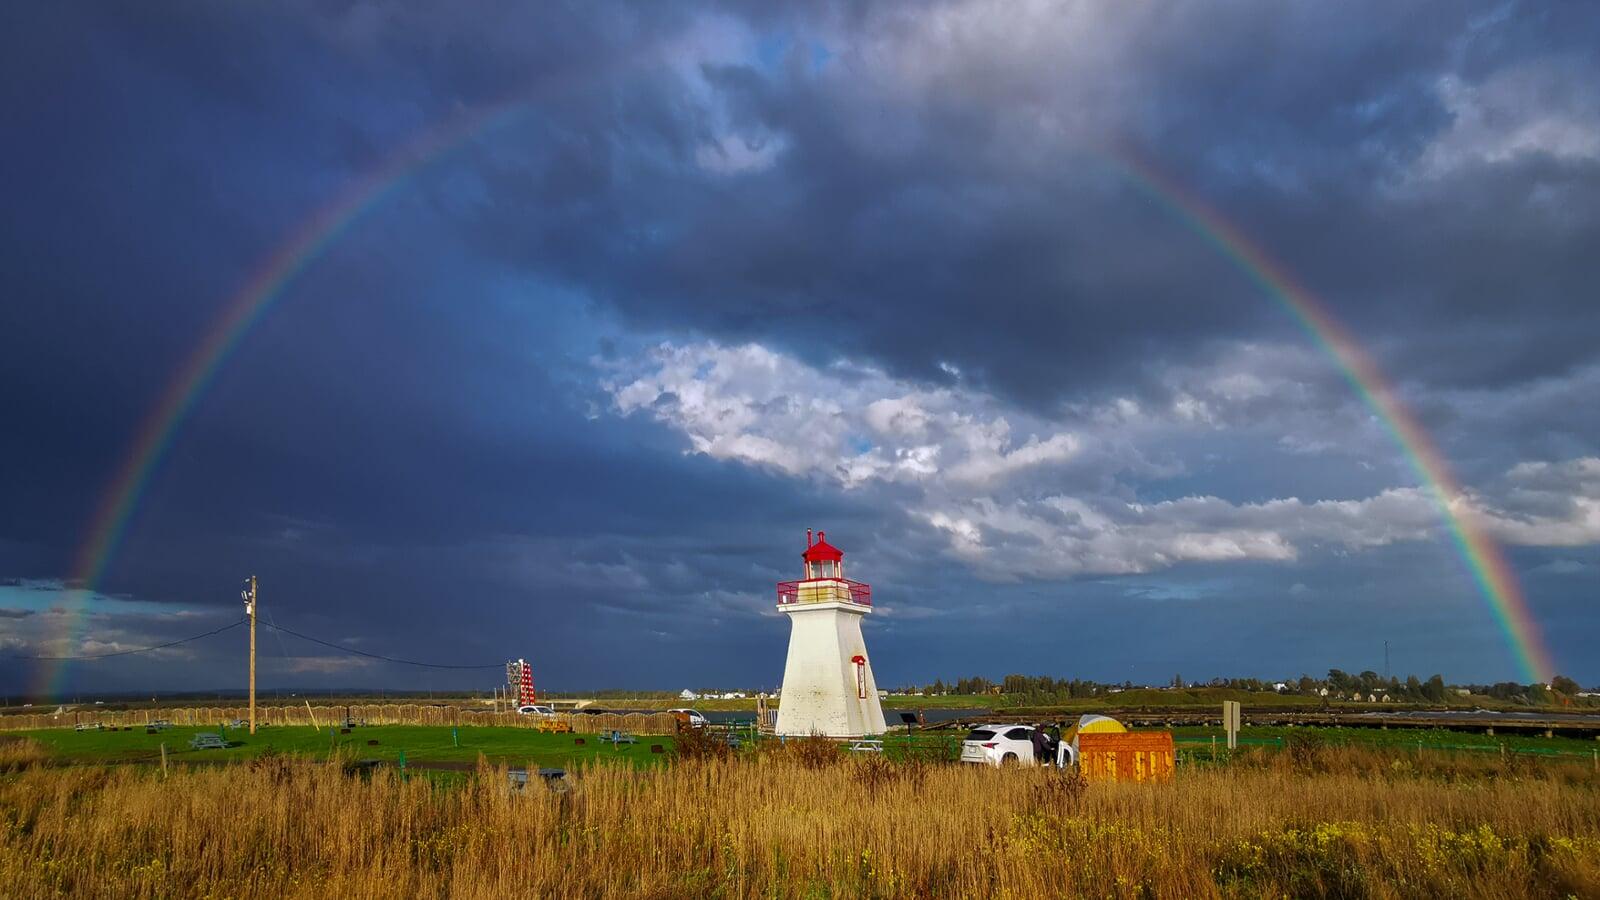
[{"x": 366, "y": 714}]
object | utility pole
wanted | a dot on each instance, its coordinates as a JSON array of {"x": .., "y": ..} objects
[
  {"x": 249, "y": 596},
  {"x": 1386, "y": 660}
]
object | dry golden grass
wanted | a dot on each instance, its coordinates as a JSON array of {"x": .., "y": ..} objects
[
  {"x": 21, "y": 753},
  {"x": 798, "y": 824}
]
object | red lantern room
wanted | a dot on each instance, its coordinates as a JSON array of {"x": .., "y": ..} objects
[
  {"x": 823, "y": 560},
  {"x": 824, "y": 579}
]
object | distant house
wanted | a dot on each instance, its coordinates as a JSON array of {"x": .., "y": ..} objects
[
  {"x": 688, "y": 695},
  {"x": 1386, "y": 699},
  {"x": 1467, "y": 693},
  {"x": 1280, "y": 687},
  {"x": 1322, "y": 693},
  {"x": 1372, "y": 698}
]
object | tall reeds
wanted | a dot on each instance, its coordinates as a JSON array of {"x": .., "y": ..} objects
[{"x": 801, "y": 823}]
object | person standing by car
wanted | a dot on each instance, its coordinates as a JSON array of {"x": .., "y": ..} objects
[{"x": 1041, "y": 745}]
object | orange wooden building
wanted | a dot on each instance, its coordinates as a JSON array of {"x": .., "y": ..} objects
[{"x": 1130, "y": 756}]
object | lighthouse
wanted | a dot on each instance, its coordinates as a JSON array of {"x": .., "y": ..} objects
[{"x": 828, "y": 688}]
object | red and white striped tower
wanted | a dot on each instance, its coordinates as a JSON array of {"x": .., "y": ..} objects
[
  {"x": 519, "y": 682},
  {"x": 525, "y": 694}
]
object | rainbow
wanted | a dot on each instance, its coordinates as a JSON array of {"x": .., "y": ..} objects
[
  {"x": 111, "y": 518},
  {"x": 239, "y": 314},
  {"x": 1484, "y": 558}
]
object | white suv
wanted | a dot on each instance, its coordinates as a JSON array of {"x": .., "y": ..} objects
[
  {"x": 695, "y": 718},
  {"x": 535, "y": 711},
  {"x": 1001, "y": 745}
]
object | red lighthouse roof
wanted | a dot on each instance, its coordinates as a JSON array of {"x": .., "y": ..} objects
[{"x": 822, "y": 551}]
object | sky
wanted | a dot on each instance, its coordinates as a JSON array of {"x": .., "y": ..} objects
[{"x": 569, "y": 319}]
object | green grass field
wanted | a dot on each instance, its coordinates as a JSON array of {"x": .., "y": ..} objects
[{"x": 421, "y": 744}]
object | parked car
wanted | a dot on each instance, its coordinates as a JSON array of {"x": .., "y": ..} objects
[
  {"x": 694, "y": 716},
  {"x": 535, "y": 710},
  {"x": 1003, "y": 745}
]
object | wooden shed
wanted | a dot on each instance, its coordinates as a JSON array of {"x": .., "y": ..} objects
[{"x": 1131, "y": 756}]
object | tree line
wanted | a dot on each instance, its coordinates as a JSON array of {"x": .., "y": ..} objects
[{"x": 1337, "y": 683}]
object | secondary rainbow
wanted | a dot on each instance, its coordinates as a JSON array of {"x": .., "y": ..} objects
[
  {"x": 243, "y": 310},
  {"x": 1483, "y": 556}
]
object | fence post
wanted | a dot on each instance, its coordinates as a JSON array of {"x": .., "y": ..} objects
[{"x": 163, "y": 759}]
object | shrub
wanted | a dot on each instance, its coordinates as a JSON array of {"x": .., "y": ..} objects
[
  {"x": 1304, "y": 751},
  {"x": 703, "y": 743}
]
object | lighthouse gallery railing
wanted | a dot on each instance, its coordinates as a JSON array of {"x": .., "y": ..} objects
[{"x": 823, "y": 590}]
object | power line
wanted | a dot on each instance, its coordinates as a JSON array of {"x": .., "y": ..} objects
[
  {"x": 136, "y": 650},
  {"x": 393, "y": 659}
]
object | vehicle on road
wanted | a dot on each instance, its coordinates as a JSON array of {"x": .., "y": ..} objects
[{"x": 533, "y": 709}]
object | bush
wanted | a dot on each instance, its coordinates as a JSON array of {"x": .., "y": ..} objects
[
  {"x": 1304, "y": 750},
  {"x": 703, "y": 743}
]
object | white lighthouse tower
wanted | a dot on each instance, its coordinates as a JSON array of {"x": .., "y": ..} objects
[{"x": 828, "y": 688}]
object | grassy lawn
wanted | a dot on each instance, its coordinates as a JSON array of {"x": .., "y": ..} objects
[{"x": 516, "y": 746}]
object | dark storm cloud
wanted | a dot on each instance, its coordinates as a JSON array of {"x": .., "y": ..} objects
[
  {"x": 938, "y": 221},
  {"x": 414, "y": 434}
]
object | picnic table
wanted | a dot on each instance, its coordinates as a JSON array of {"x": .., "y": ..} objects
[
  {"x": 519, "y": 777},
  {"x": 619, "y": 738},
  {"x": 207, "y": 740},
  {"x": 866, "y": 745}
]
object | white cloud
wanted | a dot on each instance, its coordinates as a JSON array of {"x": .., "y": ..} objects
[
  {"x": 733, "y": 154},
  {"x": 1061, "y": 536},
  {"x": 1046, "y": 500},
  {"x": 1539, "y": 107},
  {"x": 1547, "y": 504},
  {"x": 850, "y": 426}
]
